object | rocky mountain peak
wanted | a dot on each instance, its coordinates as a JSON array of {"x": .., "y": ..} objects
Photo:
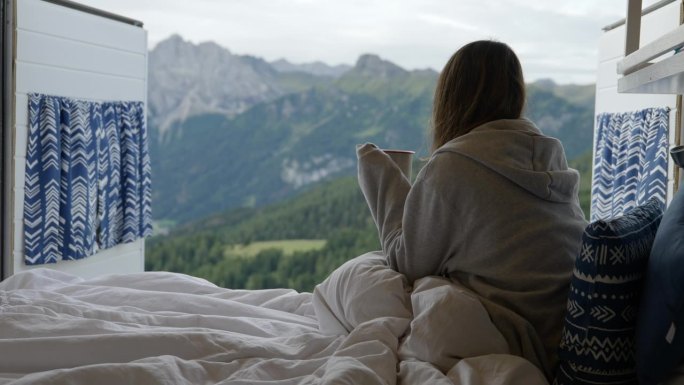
[
  {"x": 187, "y": 79},
  {"x": 373, "y": 66},
  {"x": 317, "y": 68},
  {"x": 545, "y": 84},
  {"x": 173, "y": 39}
]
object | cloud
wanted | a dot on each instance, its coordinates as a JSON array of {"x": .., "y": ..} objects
[{"x": 553, "y": 38}]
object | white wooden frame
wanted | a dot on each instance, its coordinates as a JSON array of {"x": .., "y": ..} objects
[
  {"x": 641, "y": 76},
  {"x": 67, "y": 49}
]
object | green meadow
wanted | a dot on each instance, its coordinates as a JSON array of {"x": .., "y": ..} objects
[{"x": 287, "y": 246}]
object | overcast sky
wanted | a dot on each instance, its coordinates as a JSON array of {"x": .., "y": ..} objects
[{"x": 555, "y": 39}]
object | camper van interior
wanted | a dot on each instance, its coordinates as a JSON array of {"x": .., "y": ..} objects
[{"x": 77, "y": 307}]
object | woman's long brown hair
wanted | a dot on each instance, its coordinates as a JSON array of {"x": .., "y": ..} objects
[{"x": 482, "y": 82}]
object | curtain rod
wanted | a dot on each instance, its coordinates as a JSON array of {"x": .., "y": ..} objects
[{"x": 96, "y": 11}]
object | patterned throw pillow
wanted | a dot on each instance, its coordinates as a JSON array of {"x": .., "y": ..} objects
[{"x": 597, "y": 343}]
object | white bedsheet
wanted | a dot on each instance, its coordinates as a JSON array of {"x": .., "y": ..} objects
[{"x": 165, "y": 328}]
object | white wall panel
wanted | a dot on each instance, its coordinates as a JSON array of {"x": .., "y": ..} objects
[
  {"x": 120, "y": 260},
  {"x": 21, "y": 140},
  {"x": 612, "y": 45},
  {"x": 66, "y": 52},
  {"x": 606, "y": 76},
  {"x": 18, "y": 209},
  {"x": 61, "y": 52},
  {"x": 609, "y": 100},
  {"x": 21, "y": 117},
  {"x": 52, "y": 19},
  {"x": 45, "y": 79}
]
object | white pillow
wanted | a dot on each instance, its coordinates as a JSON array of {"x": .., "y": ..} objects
[
  {"x": 449, "y": 323},
  {"x": 362, "y": 289}
]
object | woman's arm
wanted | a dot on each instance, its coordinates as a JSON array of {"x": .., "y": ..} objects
[{"x": 415, "y": 225}]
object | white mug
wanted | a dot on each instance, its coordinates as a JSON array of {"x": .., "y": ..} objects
[{"x": 403, "y": 159}]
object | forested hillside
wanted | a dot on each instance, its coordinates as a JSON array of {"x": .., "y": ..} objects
[
  {"x": 334, "y": 213},
  {"x": 233, "y": 249}
]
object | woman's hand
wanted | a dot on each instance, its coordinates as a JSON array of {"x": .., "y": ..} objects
[{"x": 363, "y": 149}]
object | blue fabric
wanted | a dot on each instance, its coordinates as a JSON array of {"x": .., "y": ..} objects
[
  {"x": 630, "y": 161},
  {"x": 662, "y": 301},
  {"x": 79, "y": 195},
  {"x": 597, "y": 342}
]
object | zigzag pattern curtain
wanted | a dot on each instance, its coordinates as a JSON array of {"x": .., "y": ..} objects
[
  {"x": 630, "y": 162},
  {"x": 88, "y": 183}
]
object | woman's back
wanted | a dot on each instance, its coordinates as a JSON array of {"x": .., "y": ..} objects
[{"x": 518, "y": 223}]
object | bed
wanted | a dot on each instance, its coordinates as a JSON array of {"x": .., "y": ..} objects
[{"x": 363, "y": 325}]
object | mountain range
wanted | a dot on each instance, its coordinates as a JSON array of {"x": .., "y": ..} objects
[
  {"x": 230, "y": 131},
  {"x": 188, "y": 79}
]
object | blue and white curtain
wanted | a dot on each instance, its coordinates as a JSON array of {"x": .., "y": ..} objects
[
  {"x": 630, "y": 162},
  {"x": 88, "y": 183}
]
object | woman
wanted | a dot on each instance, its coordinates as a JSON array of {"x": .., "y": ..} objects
[{"x": 496, "y": 207}]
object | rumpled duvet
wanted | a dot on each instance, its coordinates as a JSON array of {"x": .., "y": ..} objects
[{"x": 362, "y": 325}]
